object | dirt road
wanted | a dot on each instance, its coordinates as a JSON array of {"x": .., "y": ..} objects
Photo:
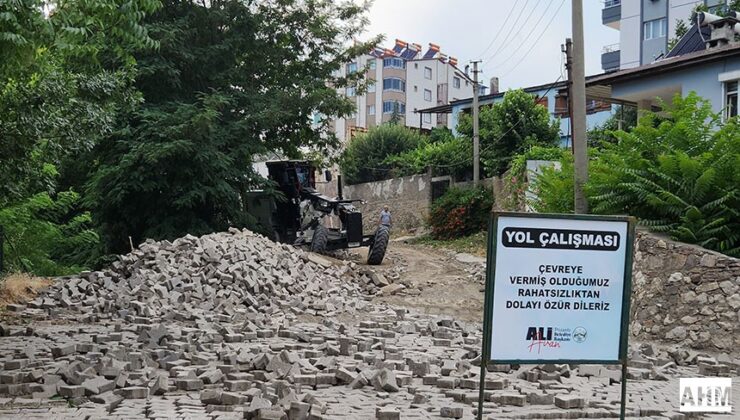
[{"x": 436, "y": 283}]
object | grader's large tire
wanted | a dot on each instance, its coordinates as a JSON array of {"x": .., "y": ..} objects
[
  {"x": 320, "y": 238},
  {"x": 376, "y": 252}
]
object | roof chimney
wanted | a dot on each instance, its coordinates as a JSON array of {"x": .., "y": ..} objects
[{"x": 494, "y": 84}]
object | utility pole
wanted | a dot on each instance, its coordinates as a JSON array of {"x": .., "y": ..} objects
[
  {"x": 568, "y": 50},
  {"x": 476, "y": 136},
  {"x": 578, "y": 101}
]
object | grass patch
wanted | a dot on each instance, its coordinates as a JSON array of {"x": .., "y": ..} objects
[
  {"x": 472, "y": 244},
  {"x": 20, "y": 288}
]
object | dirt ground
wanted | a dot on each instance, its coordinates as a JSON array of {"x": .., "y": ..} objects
[{"x": 436, "y": 283}]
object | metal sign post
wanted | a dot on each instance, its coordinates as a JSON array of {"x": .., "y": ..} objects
[{"x": 557, "y": 290}]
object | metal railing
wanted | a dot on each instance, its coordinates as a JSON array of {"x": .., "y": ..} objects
[{"x": 612, "y": 3}]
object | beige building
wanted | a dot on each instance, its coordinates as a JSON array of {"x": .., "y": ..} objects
[{"x": 402, "y": 80}]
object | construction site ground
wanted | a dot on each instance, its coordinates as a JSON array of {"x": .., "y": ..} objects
[{"x": 402, "y": 345}]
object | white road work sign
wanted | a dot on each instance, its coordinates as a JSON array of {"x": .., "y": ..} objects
[{"x": 558, "y": 288}]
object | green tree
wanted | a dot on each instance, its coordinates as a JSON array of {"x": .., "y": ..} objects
[
  {"x": 63, "y": 79},
  {"x": 49, "y": 236},
  {"x": 365, "y": 159},
  {"x": 230, "y": 79},
  {"x": 453, "y": 156},
  {"x": 624, "y": 118},
  {"x": 510, "y": 127},
  {"x": 676, "y": 171},
  {"x": 680, "y": 31}
]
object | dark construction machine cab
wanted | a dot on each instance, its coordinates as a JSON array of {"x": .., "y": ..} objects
[{"x": 301, "y": 219}]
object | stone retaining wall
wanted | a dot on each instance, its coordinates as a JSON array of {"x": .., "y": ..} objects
[
  {"x": 685, "y": 294},
  {"x": 408, "y": 199}
]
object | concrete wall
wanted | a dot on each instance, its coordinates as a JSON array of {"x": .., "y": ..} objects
[
  {"x": 630, "y": 34},
  {"x": 685, "y": 295},
  {"x": 408, "y": 200}
]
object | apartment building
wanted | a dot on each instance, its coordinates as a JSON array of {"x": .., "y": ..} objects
[
  {"x": 402, "y": 80},
  {"x": 645, "y": 28}
]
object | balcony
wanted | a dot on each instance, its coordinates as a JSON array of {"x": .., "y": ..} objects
[
  {"x": 611, "y": 14},
  {"x": 610, "y": 58}
]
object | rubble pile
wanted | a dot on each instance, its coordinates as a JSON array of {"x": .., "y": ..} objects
[{"x": 231, "y": 274}]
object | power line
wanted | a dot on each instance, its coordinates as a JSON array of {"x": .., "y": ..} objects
[
  {"x": 500, "y": 29},
  {"x": 537, "y": 40},
  {"x": 529, "y": 35},
  {"x": 508, "y": 35}
]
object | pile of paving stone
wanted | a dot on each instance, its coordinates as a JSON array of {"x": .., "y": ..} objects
[
  {"x": 218, "y": 327},
  {"x": 390, "y": 364},
  {"x": 231, "y": 274}
]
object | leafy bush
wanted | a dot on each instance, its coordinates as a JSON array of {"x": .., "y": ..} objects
[
  {"x": 48, "y": 236},
  {"x": 553, "y": 188},
  {"x": 460, "y": 212},
  {"x": 452, "y": 156},
  {"x": 364, "y": 159},
  {"x": 515, "y": 178},
  {"x": 676, "y": 171}
]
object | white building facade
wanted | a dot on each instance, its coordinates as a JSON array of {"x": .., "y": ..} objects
[
  {"x": 645, "y": 28},
  {"x": 400, "y": 81}
]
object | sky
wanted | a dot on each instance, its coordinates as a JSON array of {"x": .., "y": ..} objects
[{"x": 484, "y": 30}]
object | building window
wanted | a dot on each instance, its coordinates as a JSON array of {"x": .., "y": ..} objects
[
  {"x": 390, "y": 107},
  {"x": 350, "y": 91},
  {"x": 428, "y": 118},
  {"x": 351, "y": 68},
  {"x": 394, "y": 83},
  {"x": 716, "y": 6},
  {"x": 731, "y": 99},
  {"x": 428, "y": 73},
  {"x": 394, "y": 63},
  {"x": 654, "y": 28},
  {"x": 416, "y": 88},
  {"x": 371, "y": 110},
  {"x": 561, "y": 106},
  {"x": 541, "y": 101},
  {"x": 416, "y": 65},
  {"x": 372, "y": 64},
  {"x": 370, "y": 86},
  {"x": 456, "y": 82},
  {"x": 427, "y": 95}
]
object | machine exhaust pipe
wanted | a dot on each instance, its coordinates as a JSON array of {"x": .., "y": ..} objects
[{"x": 339, "y": 187}]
